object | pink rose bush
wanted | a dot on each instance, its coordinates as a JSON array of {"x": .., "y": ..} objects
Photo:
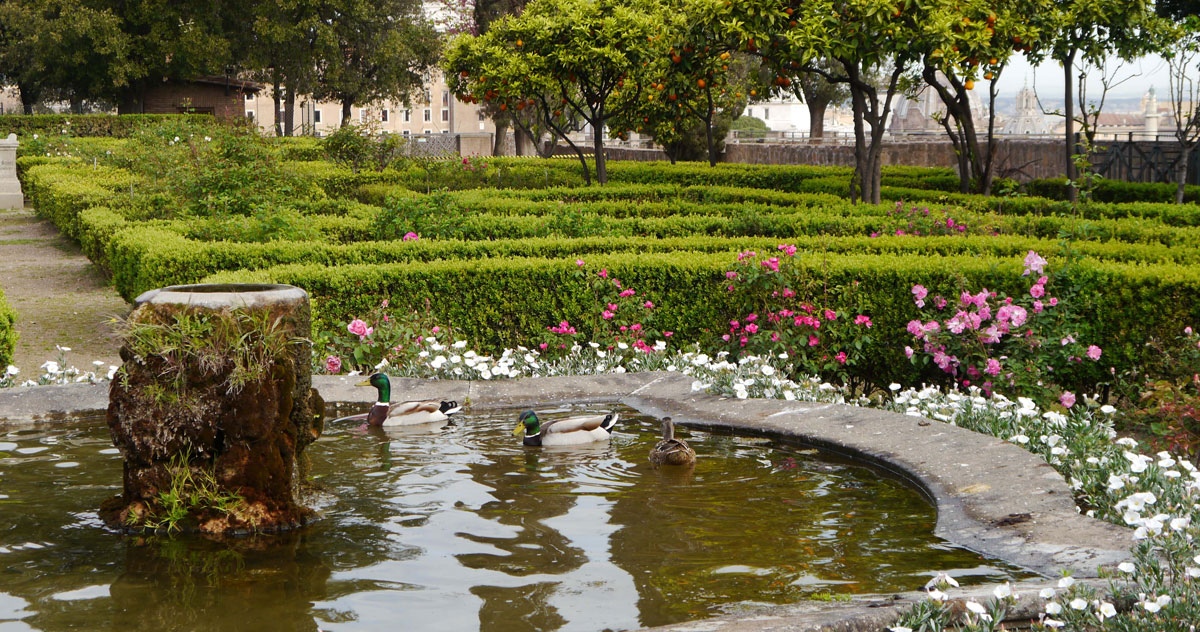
[
  {"x": 781, "y": 321},
  {"x": 1000, "y": 343},
  {"x": 383, "y": 335},
  {"x": 622, "y": 322}
]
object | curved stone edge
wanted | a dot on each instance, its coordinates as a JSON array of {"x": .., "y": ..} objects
[{"x": 992, "y": 497}]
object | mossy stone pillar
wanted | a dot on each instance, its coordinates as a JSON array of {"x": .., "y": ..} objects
[{"x": 213, "y": 408}]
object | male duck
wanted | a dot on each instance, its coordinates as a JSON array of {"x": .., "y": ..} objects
[
  {"x": 672, "y": 451},
  {"x": 569, "y": 431},
  {"x": 387, "y": 415}
]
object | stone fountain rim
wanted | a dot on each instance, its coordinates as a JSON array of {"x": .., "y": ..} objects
[
  {"x": 991, "y": 496},
  {"x": 222, "y": 295}
]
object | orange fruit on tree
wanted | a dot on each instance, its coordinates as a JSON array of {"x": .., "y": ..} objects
[
  {"x": 700, "y": 83},
  {"x": 969, "y": 85}
]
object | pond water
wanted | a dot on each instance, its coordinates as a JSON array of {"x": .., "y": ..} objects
[{"x": 462, "y": 528}]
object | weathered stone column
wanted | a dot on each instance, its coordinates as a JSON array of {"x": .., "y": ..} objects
[
  {"x": 214, "y": 404},
  {"x": 10, "y": 188}
]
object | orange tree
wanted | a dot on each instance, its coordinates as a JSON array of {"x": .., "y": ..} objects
[
  {"x": 588, "y": 53},
  {"x": 696, "y": 80},
  {"x": 479, "y": 70},
  {"x": 868, "y": 39},
  {"x": 973, "y": 41},
  {"x": 1089, "y": 31},
  {"x": 690, "y": 77}
]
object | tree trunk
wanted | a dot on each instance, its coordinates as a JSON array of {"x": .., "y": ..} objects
[
  {"x": 277, "y": 99},
  {"x": 346, "y": 105},
  {"x": 817, "y": 105},
  {"x": 521, "y": 142},
  {"x": 598, "y": 146},
  {"x": 501, "y": 135},
  {"x": 289, "y": 112},
  {"x": 1181, "y": 178},
  {"x": 708, "y": 129},
  {"x": 29, "y": 98},
  {"x": 1069, "y": 109},
  {"x": 858, "y": 105}
]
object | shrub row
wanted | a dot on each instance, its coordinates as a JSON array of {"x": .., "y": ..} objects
[
  {"x": 145, "y": 257},
  {"x": 511, "y": 218},
  {"x": 60, "y": 191},
  {"x": 80, "y": 124},
  {"x": 504, "y": 302},
  {"x": 1116, "y": 191},
  {"x": 8, "y": 332}
]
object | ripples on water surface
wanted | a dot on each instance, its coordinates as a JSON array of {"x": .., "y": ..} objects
[{"x": 462, "y": 528}]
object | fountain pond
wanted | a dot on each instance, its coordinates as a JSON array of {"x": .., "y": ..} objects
[{"x": 461, "y": 527}]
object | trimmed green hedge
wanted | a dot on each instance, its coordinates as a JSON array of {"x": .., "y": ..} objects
[
  {"x": 8, "y": 331},
  {"x": 504, "y": 302},
  {"x": 142, "y": 258},
  {"x": 62, "y": 191},
  {"x": 1117, "y": 191},
  {"x": 81, "y": 124}
]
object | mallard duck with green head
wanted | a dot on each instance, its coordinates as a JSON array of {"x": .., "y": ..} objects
[
  {"x": 671, "y": 451},
  {"x": 386, "y": 414},
  {"x": 576, "y": 430}
]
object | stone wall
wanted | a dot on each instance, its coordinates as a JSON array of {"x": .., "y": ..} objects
[{"x": 1021, "y": 159}]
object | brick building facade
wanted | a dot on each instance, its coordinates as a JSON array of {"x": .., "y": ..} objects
[{"x": 222, "y": 97}]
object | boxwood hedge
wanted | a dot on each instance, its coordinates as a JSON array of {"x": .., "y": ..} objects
[{"x": 503, "y": 302}]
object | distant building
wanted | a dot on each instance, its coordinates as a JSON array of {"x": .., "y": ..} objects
[
  {"x": 1029, "y": 118},
  {"x": 222, "y": 97},
  {"x": 437, "y": 111},
  {"x": 923, "y": 113}
]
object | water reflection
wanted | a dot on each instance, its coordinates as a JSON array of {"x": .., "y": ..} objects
[{"x": 461, "y": 527}]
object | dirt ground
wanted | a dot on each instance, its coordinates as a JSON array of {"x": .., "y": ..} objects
[{"x": 61, "y": 298}]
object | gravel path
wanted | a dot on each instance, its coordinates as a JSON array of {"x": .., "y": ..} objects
[{"x": 61, "y": 298}]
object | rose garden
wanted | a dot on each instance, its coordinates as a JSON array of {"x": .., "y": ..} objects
[{"x": 890, "y": 320}]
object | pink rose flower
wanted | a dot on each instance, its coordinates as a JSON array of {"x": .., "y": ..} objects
[
  {"x": 830, "y": 314},
  {"x": 1067, "y": 399},
  {"x": 993, "y": 367},
  {"x": 863, "y": 320},
  {"x": 813, "y": 341},
  {"x": 908, "y": 352},
  {"x": 579, "y": 262},
  {"x": 357, "y": 327},
  {"x": 333, "y": 364},
  {"x": 607, "y": 315},
  {"x": 1037, "y": 291},
  {"x": 648, "y": 305},
  {"x": 1093, "y": 352},
  {"x": 841, "y": 357},
  {"x": 411, "y": 236},
  {"x": 751, "y": 328},
  {"x": 603, "y": 274},
  {"x": 1033, "y": 263}
]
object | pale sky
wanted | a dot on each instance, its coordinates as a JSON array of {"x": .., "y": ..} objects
[{"x": 1145, "y": 72}]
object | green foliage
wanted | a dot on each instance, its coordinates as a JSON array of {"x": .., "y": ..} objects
[
  {"x": 746, "y": 123},
  {"x": 391, "y": 336},
  {"x": 192, "y": 490},
  {"x": 83, "y": 124},
  {"x": 509, "y": 305},
  {"x": 373, "y": 50},
  {"x": 360, "y": 147},
  {"x": 8, "y": 331},
  {"x": 192, "y": 167},
  {"x": 1116, "y": 191},
  {"x": 241, "y": 345}
]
